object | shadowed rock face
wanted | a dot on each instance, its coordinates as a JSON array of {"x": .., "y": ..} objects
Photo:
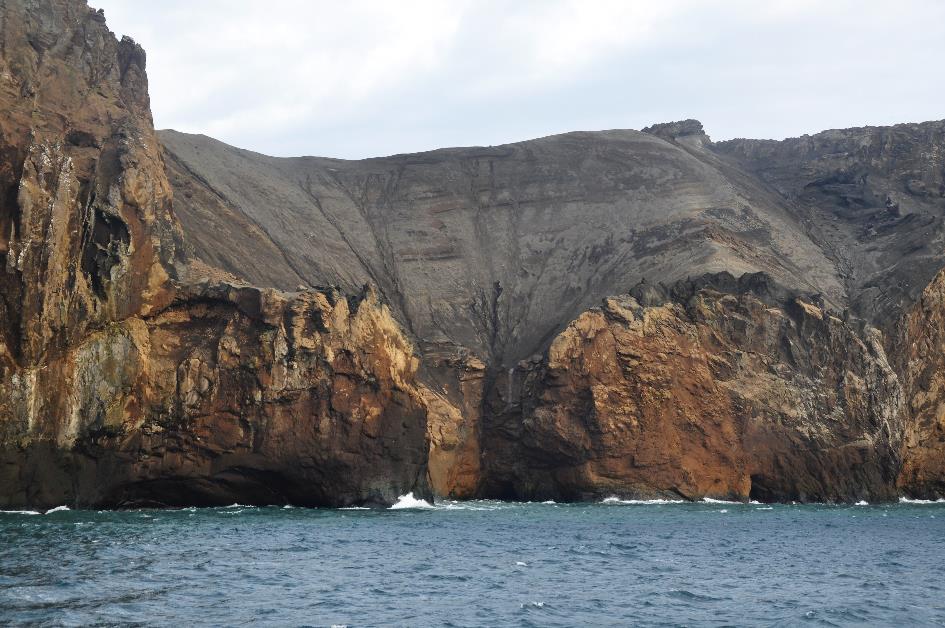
[
  {"x": 873, "y": 198},
  {"x": 922, "y": 364},
  {"x": 644, "y": 314}
]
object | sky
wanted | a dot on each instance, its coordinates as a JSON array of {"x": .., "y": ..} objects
[{"x": 359, "y": 78}]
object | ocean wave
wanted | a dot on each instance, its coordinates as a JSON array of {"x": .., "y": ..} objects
[
  {"x": 909, "y": 500},
  {"x": 475, "y": 504},
  {"x": 56, "y": 509},
  {"x": 408, "y": 501},
  {"x": 709, "y": 500},
  {"x": 641, "y": 502},
  {"x": 20, "y": 512}
]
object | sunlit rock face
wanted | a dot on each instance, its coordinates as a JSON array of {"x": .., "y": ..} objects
[{"x": 635, "y": 313}]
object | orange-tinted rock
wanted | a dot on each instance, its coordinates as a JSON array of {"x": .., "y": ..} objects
[
  {"x": 230, "y": 394},
  {"x": 722, "y": 396},
  {"x": 125, "y": 376},
  {"x": 454, "y": 395}
]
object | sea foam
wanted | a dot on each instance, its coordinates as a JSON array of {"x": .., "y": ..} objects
[
  {"x": 641, "y": 502},
  {"x": 409, "y": 501}
]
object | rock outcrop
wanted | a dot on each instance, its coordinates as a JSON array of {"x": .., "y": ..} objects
[
  {"x": 921, "y": 360},
  {"x": 873, "y": 198},
  {"x": 228, "y": 394},
  {"x": 645, "y": 314},
  {"x": 711, "y": 394},
  {"x": 130, "y": 373}
]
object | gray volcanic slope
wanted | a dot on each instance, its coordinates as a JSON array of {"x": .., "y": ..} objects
[{"x": 496, "y": 249}]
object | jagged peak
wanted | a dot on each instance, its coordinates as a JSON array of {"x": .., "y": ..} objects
[{"x": 672, "y": 131}]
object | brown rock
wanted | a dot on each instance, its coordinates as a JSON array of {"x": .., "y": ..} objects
[
  {"x": 128, "y": 378},
  {"x": 722, "y": 397},
  {"x": 922, "y": 362}
]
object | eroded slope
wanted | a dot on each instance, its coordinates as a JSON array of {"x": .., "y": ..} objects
[{"x": 493, "y": 249}]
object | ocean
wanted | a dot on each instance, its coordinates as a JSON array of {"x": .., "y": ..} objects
[{"x": 478, "y": 563}]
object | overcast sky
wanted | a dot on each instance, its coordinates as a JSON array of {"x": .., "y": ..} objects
[{"x": 357, "y": 79}]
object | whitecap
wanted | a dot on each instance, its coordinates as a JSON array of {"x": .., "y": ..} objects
[
  {"x": 641, "y": 502},
  {"x": 20, "y": 512},
  {"x": 352, "y": 508},
  {"x": 550, "y": 501},
  {"x": 57, "y": 509},
  {"x": 476, "y": 504},
  {"x": 862, "y": 502},
  {"x": 533, "y": 605},
  {"x": 234, "y": 506},
  {"x": 409, "y": 501},
  {"x": 520, "y": 563},
  {"x": 709, "y": 500},
  {"x": 909, "y": 500},
  {"x": 765, "y": 508}
]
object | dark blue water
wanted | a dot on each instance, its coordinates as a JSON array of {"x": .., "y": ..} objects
[{"x": 478, "y": 564}]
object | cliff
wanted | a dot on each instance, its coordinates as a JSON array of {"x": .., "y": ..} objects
[
  {"x": 130, "y": 373},
  {"x": 638, "y": 313}
]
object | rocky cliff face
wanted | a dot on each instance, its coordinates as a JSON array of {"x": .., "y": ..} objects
[
  {"x": 129, "y": 375},
  {"x": 645, "y": 314},
  {"x": 705, "y": 393},
  {"x": 873, "y": 198},
  {"x": 922, "y": 363}
]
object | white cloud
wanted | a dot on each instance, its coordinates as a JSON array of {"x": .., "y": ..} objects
[{"x": 362, "y": 77}]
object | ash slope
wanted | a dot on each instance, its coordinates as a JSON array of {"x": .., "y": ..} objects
[{"x": 494, "y": 249}]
